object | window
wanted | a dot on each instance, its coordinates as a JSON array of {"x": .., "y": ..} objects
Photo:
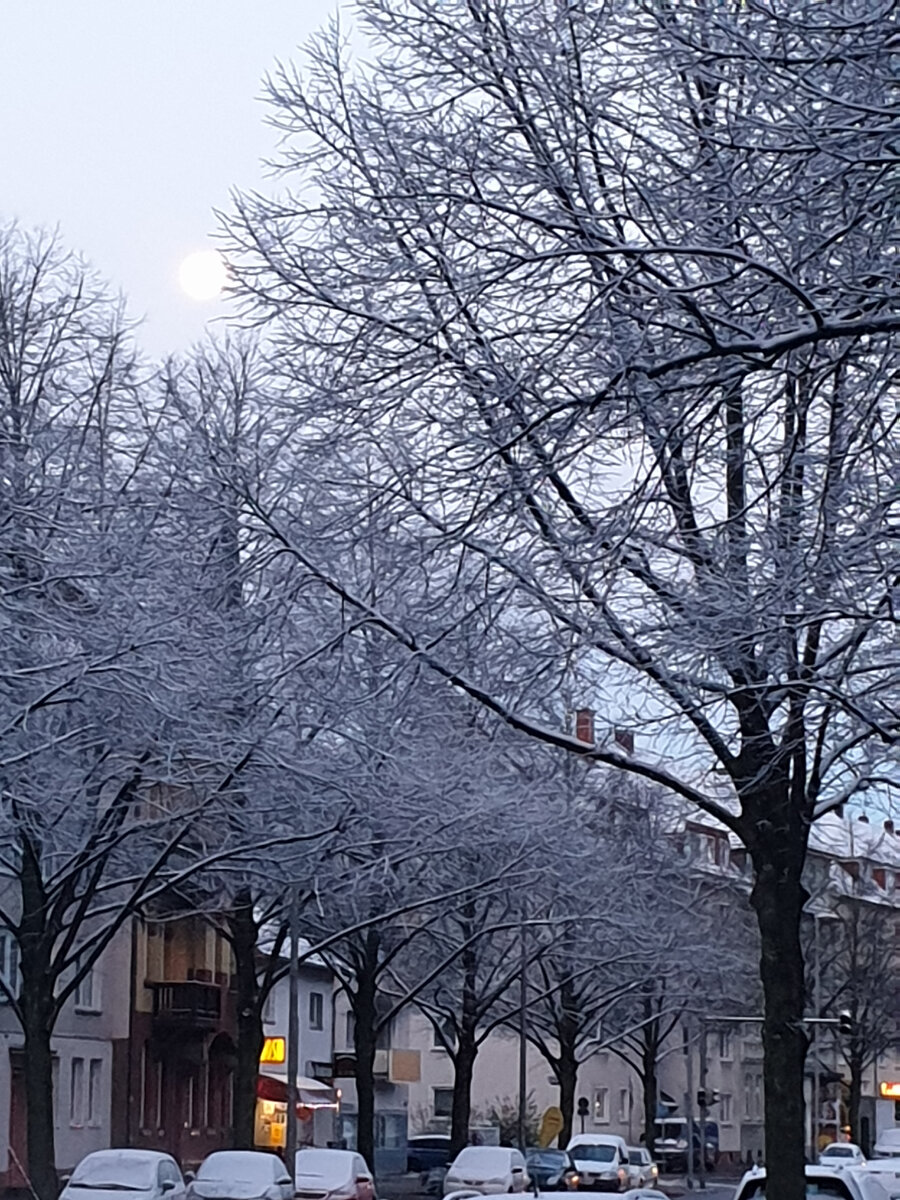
[
  {"x": 624, "y": 1105},
  {"x": 87, "y": 994},
  {"x": 142, "y": 1102},
  {"x": 726, "y": 1044},
  {"x": 268, "y": 1009},
  {"x": 443, "y": 1101},
  {"x": 95, "y": 1084},
  {"x": 753, "y": 1102},
  {"x": 601, "y": 1106},
  {"x": 445, "y": 1038},
  {"x": 349, "y": 1029},
  {"x": 55, "y": 1070},
  {"x": 9, "y": 964},
  {"x": 726, "y": 1114},
  {"x": 76, "y": 1092},
  {"x": 159, "y": 1094},
  {"x": 316, "y": 1010}
]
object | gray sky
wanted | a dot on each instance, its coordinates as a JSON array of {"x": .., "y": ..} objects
[{"x": 125, "y": 122}]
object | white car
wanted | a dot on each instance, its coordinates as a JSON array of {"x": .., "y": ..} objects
[
  {"x": 821, "y": 1182},
  {"x": 332, "y": 1175},
  {"x": 601, "y": 1161},
  {"x": 888, "y": 1144},
  {"x": 106, "y": 1174},
  {"x": 842, "y": 1154},
  {"x": 887, "y": 1172},
  {"x": 487, "y": 1170},
  {"x": 644, "y": 1194},
  {"x": 241, "y": 1175},
  {"x": 642, "y": 1170}
]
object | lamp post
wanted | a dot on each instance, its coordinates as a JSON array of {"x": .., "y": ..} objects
[{"x": 293, "y": 1046}]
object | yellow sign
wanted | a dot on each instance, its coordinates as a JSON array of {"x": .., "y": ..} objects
[
  {"x": 890, "y": 1089},
  {"x": 273, "y": 1051},
  {"x": 551, "y": 1126}
]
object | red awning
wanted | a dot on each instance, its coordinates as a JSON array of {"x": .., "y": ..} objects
[{"x": 310, "y": 1093}]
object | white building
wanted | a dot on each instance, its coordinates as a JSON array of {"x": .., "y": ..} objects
[
  {"x": 317, "y": 1100},
  {"x": 87, "y": 1045}
]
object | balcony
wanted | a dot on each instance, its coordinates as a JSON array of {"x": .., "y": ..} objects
[{"x": 187, "y": 1004}]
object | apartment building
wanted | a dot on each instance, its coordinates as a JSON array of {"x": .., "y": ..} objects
[
  {"x": 851, "y": 860},
  {"x": 87, "y": 1060}
]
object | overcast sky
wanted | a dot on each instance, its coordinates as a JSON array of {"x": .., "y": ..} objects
[{"x": 125, "y": 122}]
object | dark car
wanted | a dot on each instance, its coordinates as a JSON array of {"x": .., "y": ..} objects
[
  {"x": 552, "y": 1170},
  {"x": 427, "y": 1151}
]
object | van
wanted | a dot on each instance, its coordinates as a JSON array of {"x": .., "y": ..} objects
[{"x": 601, "y": 1160}]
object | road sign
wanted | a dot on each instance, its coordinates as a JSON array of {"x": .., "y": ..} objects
[{"x": 551, "y": 1125}]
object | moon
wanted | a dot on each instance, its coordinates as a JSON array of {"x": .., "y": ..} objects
[{"x": 203, "y": 275}]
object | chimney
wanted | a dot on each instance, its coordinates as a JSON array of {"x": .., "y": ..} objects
[
  {"x": 888, "y": 825},
  {"x": 625, "y": 739},
  {"x": 584, "y": 725}
]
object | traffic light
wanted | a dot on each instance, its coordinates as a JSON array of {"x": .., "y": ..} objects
[
  {"x": 707, "y": 1099},
  {"x": 583, "y": 1106},
  {"x": 846, "y": 1024},
  {"x": 701, "y": 1098}
]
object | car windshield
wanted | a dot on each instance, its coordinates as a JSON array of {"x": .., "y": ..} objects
[
  {"x": 482, "y": 1158},
  {"x": 333, "y": 1167},
  {"x": 115, "y": 1173},
  {"x": 635, "y": 1157},
  {"x": 838, "y": 1152},
  {"x": 547, "y": 1158},
  {"x": 236, "y": 1166},
  {"x": 594, "y": 1153}
]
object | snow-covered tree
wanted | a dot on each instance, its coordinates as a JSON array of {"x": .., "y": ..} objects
[
  {"x": 604, "y": 299},
  {"x": 107, "y": 774}
]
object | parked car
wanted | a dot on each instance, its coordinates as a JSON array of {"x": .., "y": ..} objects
[
  {"x": 552, "y": 1170},
  {"x": 601, "y": 1160},
  {"x": 241, "y": 1175},
  {"x": 426, "y": 1151},
  {"x": 842, "y": 1154},
  {"x": 821, "y": 1182},
  {"x": 106, "y": 1174},
  {"x": 887, "y": 1170},
  {"x": 888, "y": 1144},
  {"x": 487, "y": 1170},
  {"x": 644, "y": 1194},
  {"x": 332, "y": 1175},
  {"x": 642, "y": 1170}
]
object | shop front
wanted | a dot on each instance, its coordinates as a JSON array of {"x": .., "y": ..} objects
[{"x": 317, "y": 1110}]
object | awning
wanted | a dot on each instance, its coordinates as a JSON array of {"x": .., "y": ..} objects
[{"x": 310, "y": 1092}]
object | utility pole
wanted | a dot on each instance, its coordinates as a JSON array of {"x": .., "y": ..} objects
[
  {"x": 817, "y": 1079},
  {"x": 689, "y": 1106},
  {"x": 293, "y": 1046},
  {"x": 523, "y": 1027},
  {"x": 703, "y": 1106}
]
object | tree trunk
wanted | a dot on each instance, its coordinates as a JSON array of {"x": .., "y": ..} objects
[
  {"x": 243, "y": 935},
  {"x": 567, "y": 1077},
  {"x": 463, "y": 1069},
  {"x": 39, "y": 1090},
  {"x": 364, "y": 1038},
  {"x": 467, "y": 1034},
  {"x": 778, "y": 897},
  {"x": 37, "y": 1005},
  {"x": 650, "y": 1084},
  {"x": 854, "y": 1097}
]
